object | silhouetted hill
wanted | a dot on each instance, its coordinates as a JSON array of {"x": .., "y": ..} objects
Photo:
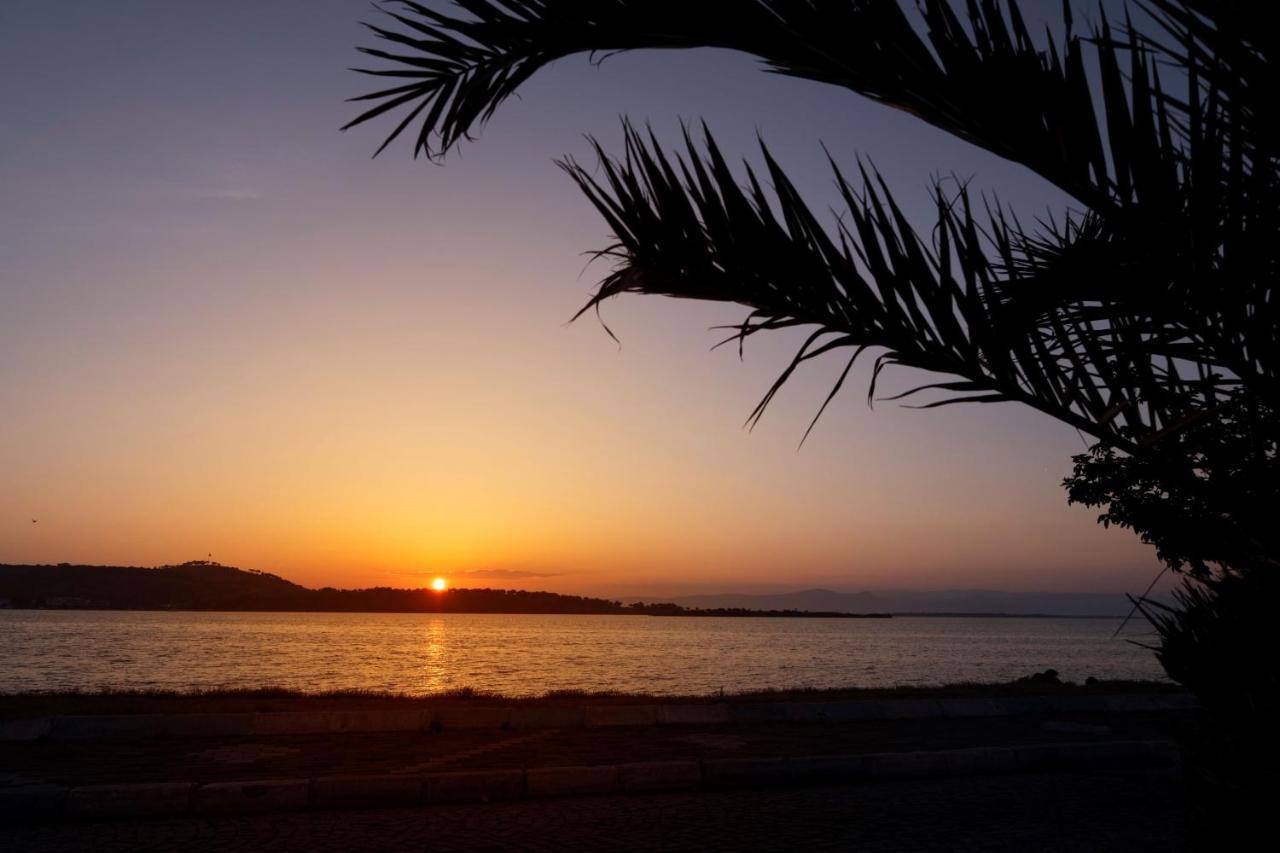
[
  {"x": 191, "y": 586},
  {"x": 202, "y": 585}
]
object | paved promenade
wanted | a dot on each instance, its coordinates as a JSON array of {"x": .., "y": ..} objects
[
  {"x": 1080, "y": 812},
  {"x": 163, "y": 759}
]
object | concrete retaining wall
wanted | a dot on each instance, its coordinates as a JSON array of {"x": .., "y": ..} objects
[
  {"x": 474, "y": 786},
  {"x": 263, "y": 795},
  {"x": 156, "y": 799},
  {"x": 345, "y": 792},
  {"x": 659, "y": 776},
  {"x": 562, "y": 781},
  {"x": 32, "y": 802}
]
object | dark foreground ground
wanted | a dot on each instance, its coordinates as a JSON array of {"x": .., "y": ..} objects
[
  {"x": 1087, "y": 808},
  {"x": 213, "y": 759},
  {"x": 1088, "y": 812}
]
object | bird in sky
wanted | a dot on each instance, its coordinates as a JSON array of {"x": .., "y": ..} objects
[{"x": 33, "y": 521}]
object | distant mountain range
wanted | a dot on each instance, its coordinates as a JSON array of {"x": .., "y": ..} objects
[{"x": 959, "y": 602}]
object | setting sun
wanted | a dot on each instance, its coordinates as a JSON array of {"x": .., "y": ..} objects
[{"x": 440, "y": 584}]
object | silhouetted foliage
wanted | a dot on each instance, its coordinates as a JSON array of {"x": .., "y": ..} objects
[
  {"x": 1218, "y": 525},
  {"x": 1219, "y": 642},
  {"x": 1220, "y": 517}
]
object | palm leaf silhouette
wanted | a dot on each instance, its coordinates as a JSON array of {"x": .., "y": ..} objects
[{"x": 1140, "y": 313}]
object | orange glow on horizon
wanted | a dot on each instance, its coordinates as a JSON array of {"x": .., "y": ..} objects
[{"x": 439, "y": 584}]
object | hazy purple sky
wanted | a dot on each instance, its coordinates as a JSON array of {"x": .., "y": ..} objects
[{"x": 225, "y": 329}]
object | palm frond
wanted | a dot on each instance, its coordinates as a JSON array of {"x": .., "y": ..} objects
[
  {"x": 980, "y": 77},
  {"x": 688, "y": 226}
]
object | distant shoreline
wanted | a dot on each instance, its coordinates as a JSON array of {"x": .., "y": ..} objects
[
  {"x": 206, "y": 586},
  {"x": 203, "y": 586},
  {"x": 687, "y": 614},
  {"x": 950, "y": 615}
]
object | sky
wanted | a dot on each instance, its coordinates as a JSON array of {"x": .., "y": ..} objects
[{"x": 226, "y": 330}]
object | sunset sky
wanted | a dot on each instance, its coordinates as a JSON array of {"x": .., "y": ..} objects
[{"x": 225, "y": 330}]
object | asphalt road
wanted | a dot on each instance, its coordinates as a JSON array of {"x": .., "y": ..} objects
[{"x": 1094, "y": 812}]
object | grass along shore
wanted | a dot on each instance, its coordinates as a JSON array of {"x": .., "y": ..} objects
[{"x": 270, "y": 699}]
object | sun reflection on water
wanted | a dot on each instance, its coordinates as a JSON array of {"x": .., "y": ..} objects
[{"x": 435, "y": 658}]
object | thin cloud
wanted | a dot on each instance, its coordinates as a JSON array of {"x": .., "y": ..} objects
[
  {"x": 507, "y": 574},
  {"x": 233, "y": 194}
]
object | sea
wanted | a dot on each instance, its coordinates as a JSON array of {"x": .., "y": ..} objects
[{"x": 535, "y": 654}]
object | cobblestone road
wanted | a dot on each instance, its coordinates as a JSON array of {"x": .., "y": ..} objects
[{"x": 1101, "y": 812}]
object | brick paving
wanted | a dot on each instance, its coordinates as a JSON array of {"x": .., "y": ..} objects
[
  {"x": 1082, "y": 812},
  {"x": 301, "y": 756}
]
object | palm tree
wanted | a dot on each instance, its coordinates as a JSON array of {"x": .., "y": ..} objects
[{"x": 1145, "y": 317}]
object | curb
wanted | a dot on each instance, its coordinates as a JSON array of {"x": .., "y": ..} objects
[
  {"x": 568, "y": 716},
  {"x": 171, "y": 799}
]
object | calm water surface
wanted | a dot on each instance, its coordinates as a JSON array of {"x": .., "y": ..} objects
[{"x": 424, "y": 653}]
